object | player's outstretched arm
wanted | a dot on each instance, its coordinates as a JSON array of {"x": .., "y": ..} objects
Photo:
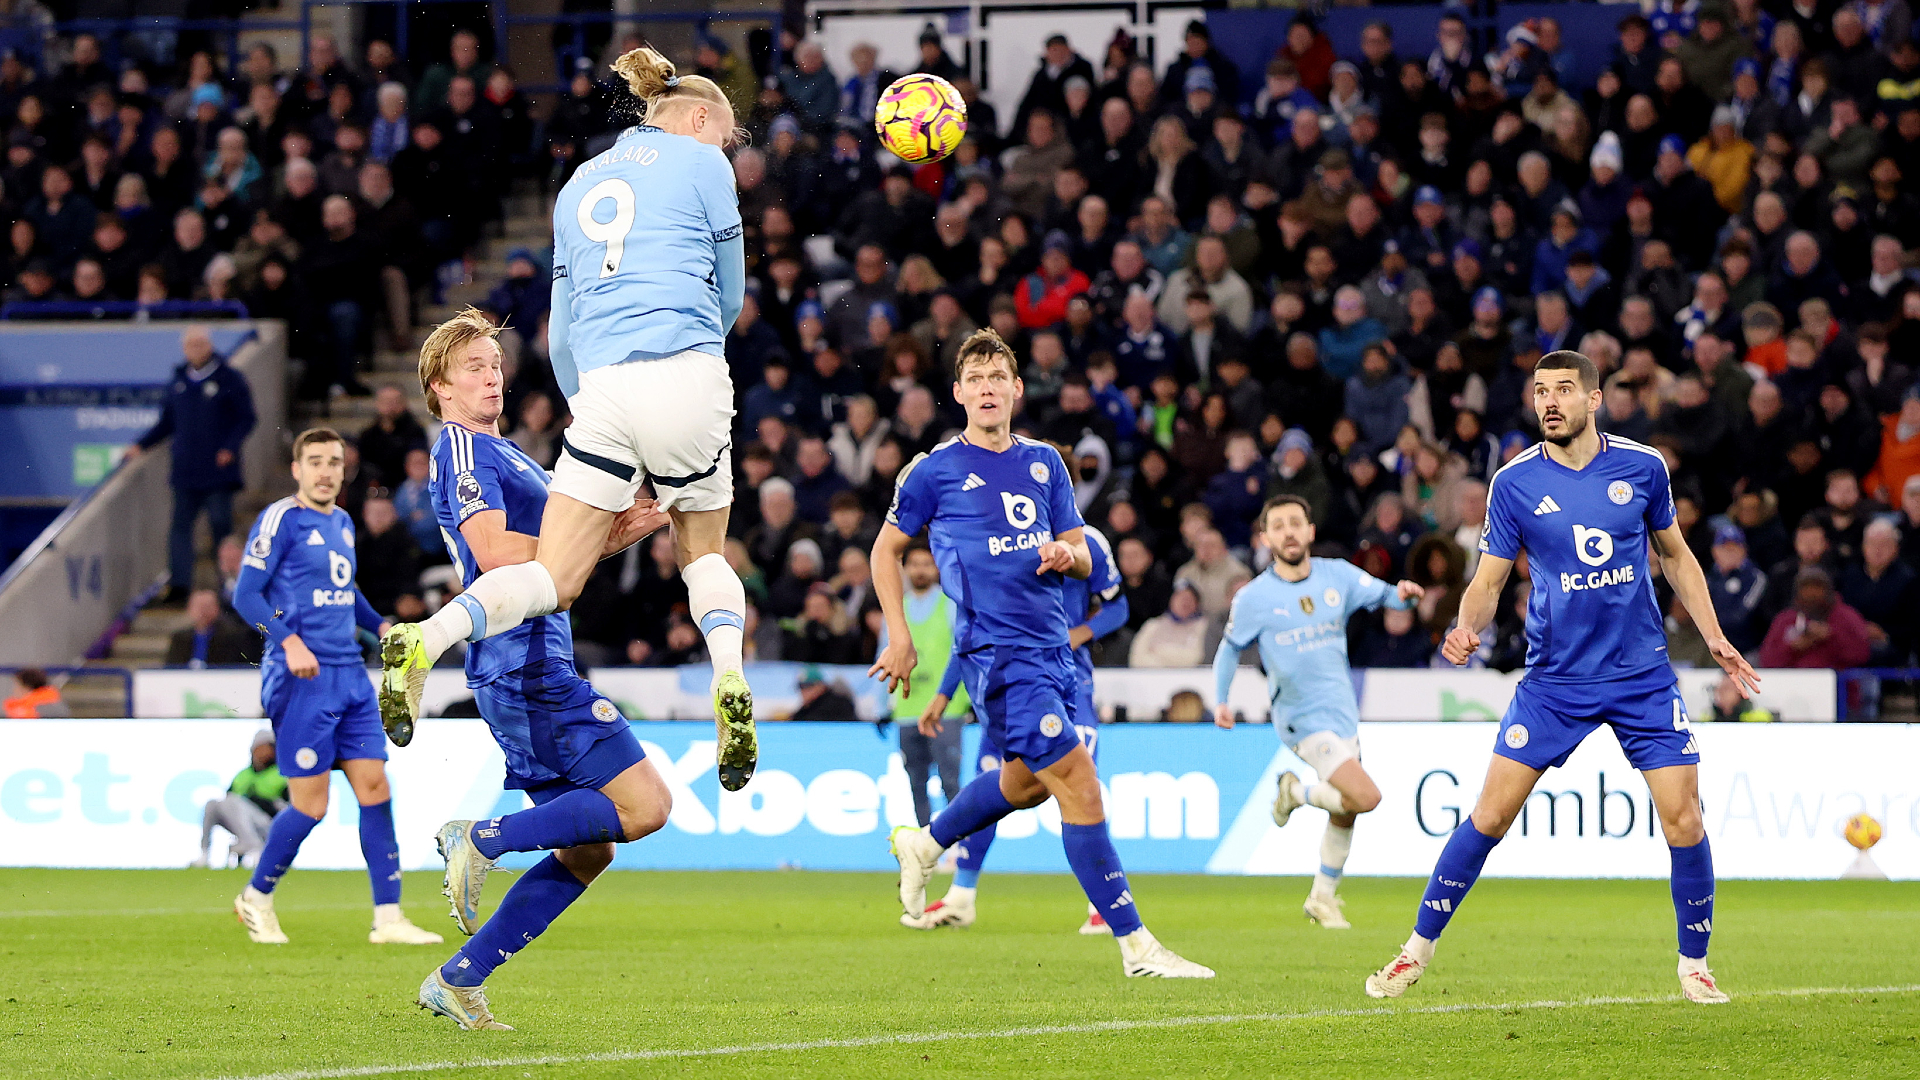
[
  {"x": 634, "y": 524},
  {"x": 560, "y": 336},
  {"x": 493, "y": 544},
  {"x": 1690, "y": 583},
  {"x": 1067, "y": 553},
  {"x": 898, "y": 659},
  {"x": 1477, "y": 606}
]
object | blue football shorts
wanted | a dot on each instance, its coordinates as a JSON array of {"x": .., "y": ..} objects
[
  {"x": 1027, "y": 702},
  {"x": 324, "y": 720},
  {"x": 554, "y": 726},
  {"x": 1546, "y": 720}
]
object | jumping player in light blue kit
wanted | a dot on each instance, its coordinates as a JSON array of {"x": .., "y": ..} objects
[
  {"x": 1585, "y": 507},
  {"x": 296, "y": 587},
  {"x": 1001, "y": 520},
  {"x": 566, "y": 745},
  {"x": 1298, "y": 611},
  {"x": 1095, "y": 608},
  {"x": 649, "y": 274}
]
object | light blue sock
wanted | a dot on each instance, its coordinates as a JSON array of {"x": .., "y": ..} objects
[{"x": 972, "y": 855}]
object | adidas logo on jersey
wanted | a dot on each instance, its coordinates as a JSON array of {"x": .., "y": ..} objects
[
  {"x": 1547, "y": 506},
  {"x": 973, "y": 481},
  {"x": 314, "y": 538}
]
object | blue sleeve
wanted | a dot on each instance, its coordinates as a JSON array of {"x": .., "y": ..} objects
[
  {"x": 730, "y": 274},
  {"x": 363, "y": 614},
  {"x": 474, "y": 489},
  {"x": 1226, "y": 659},
  {"x": 1367, "y": 591},
  {"x": 1660, "y": 512},
  {"x": 950, "y": 678},
  {"x": 560, "y": 332},
  {"x": 1500, "y": 533},
  {"x": 162, "y": 427},
  {"x": 913, "y": 497},
  {"x": 1063, "y": 513},
  {"x": 243, "y": 414},
  {"x": 1111, "y": 616},
  {"x": 257, "y": 565}
]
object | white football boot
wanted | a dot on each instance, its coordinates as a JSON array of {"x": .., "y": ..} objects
[
  {"x": 401, "y": 931},
  {"x": 1696, "y": 982},
  {"x": 950, "y": 911},
  {"x": 1325, "y": 910},
  {"x": 1292, "y": 796},
  {"x": 1095, "y": 926},
  {"x": 256, "y": 914},
  {"x": 464, "y": 1005},
  {"x": 918, "y": 855},
  {"x": 1394, "y": 979},
  {"x": 1141, "y": 954}
]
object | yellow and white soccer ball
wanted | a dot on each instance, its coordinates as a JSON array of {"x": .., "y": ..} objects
[
  {"x": 1862, "y": 831},
  {"x": 920, "y": 118}
]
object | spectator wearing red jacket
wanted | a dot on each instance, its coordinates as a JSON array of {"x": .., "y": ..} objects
[
  {"x": 1818, "y": 630},
  {"x": 1041, "y": 297}
]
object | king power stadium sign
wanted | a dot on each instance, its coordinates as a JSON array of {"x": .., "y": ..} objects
[{"x": 1183, "y": 798}]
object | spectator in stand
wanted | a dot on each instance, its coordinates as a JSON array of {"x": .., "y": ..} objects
[
  {"x": 208, "y": 414},
  {"x": 394, "y": 433},
  {"x": 1176, "y": 638},
  {"x": 1738, "y": 587},
  {"x": 1818, "y": 630},
  {"x": 1886, "y": 592},
  {"x": 1041, "y": 297},
  {"x": 34, "y": 698},
  {"x": 388, "y": 557},
  {"x": 810, "y": 87},
  {"x": 463, "y": 61},
  {"x": 1899, "y": 459},
  {"x": 1397, "y": 642},
  {"x": 1215, "y": 573},
  {"x": 212, "y": 637}
]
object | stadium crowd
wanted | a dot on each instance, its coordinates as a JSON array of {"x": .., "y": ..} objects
[
  {"x": 330, "y": 195},
  {"x": 1335, "y": 288}
]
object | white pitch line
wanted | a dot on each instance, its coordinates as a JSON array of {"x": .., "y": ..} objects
[
  {"x": 1100, "y": 1027},
  {"x": 131, "y": 913}
]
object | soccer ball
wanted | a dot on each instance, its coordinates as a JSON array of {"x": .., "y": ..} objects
[
  {"x": 920, "y": 118},
  {"x": 1862, "y": 831}
]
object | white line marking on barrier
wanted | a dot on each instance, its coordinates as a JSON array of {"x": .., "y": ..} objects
[{"x": 1100, "y": 1027}]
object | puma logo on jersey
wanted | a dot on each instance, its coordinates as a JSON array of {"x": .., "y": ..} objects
[
  {"x": 1547, "y": 506},
  {"x": 314, "y": 539},
  {"x": 973, "y": 481}
]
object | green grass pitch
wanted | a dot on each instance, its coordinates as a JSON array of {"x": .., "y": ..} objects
[{"x": 146, "y": 974}]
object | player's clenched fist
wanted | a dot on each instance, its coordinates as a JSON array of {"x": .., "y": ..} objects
[{"x": 1460, "y": 644}]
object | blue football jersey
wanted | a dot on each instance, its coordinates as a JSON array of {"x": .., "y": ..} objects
[
  {"x": 986, "y": 515},
  {"x": 1104, "y": 582},
  {"x": 473, "y": 472},
  {"x": 1592, "y": 613},
  {"x": 310, "y": 565},
  {"x": 634, "y": 234},
  {"x": 1302, "y": 630}
]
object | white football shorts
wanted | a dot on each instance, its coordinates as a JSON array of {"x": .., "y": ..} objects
[
  {"x": 1326, "y": 752},
  {"x": 668, "y": 421}
]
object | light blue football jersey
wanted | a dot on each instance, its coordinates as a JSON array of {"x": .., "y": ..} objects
[
  {"x": 1592, "y": 613},
  {"x": 1302, "y": 630},
  {"x": 634, "y": 234},
  {"x": 309, "y": 561},
  {"x": 472, "y": 472},
  {"x": 986, "y": 515}
]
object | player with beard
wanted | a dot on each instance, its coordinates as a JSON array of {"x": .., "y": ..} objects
[
  {"x": 1586, "y": 507},
  {"x": 1297, "y": 611}
]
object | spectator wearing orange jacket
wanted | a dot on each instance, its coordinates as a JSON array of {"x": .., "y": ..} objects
[
  {"x": 1041, "y": 297},
  {"x": 1899, "y": 451}
]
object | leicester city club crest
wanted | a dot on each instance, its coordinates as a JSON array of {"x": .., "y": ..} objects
[
  {"x": 1620, "y": 492},
  {"x": 604, "y": 711},
  {"x": 1039, "y": 471}
]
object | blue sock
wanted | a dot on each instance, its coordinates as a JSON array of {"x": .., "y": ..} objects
[
  {"x": 972, "y": 854},
  {"x": 978, "y": 805},
  {"x": 284, "y": 837},
  {"x": 537, "y": 899},
  {"x": 1455, "y": 873},
  {"x": 381, "y": 851},
  {"x": 576, "y": 818},
  {"x": 1090, "y": 853},
  {"x": 1693, "y": 897}
]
